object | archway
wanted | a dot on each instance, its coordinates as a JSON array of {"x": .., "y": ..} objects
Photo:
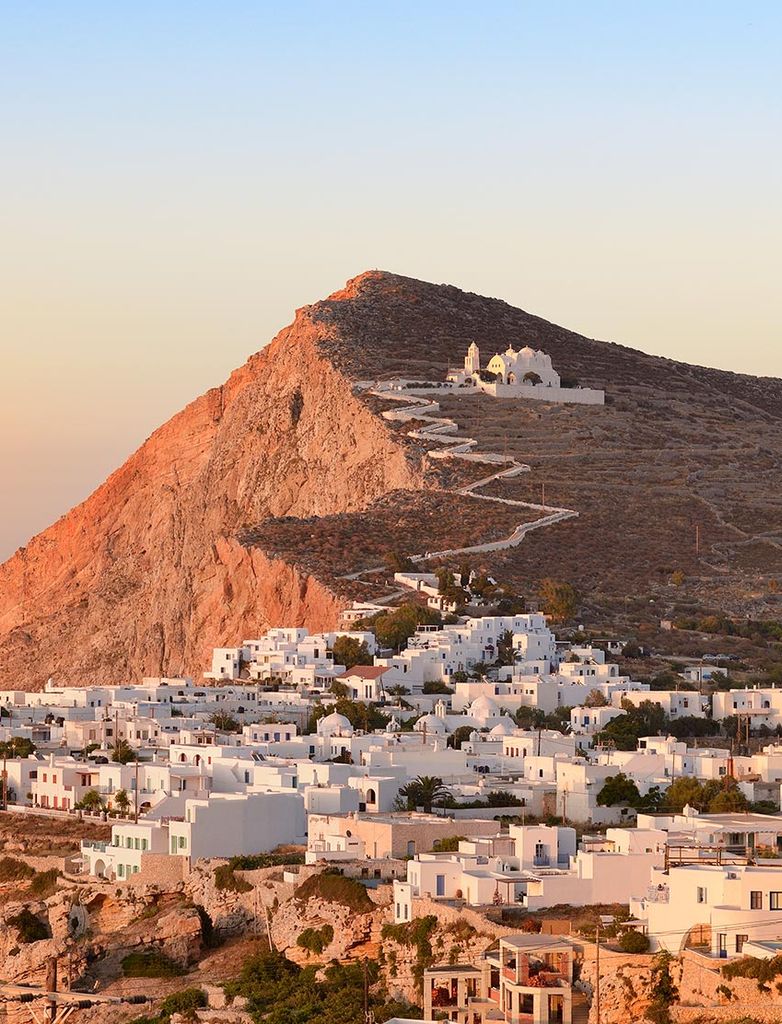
[
  {"x": 698, "y": 937},
  {"x": 99, "y": 869},
  {"x": 371, "y": 796}
]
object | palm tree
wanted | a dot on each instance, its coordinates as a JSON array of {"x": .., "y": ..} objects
[
  {"x": 424, "y": 792},
  {"x": 91, "y": 801},
  {"x": 122, "y": 800}
]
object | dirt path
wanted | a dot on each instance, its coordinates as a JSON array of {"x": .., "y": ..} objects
[{"x": 440, "y": 431}]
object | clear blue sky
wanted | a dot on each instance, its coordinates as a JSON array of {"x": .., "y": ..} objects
[{"x": 178, "y": 177}]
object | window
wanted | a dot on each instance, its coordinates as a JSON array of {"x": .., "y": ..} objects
[
  {"x": 702, "y": 895},
  {"x": 756, "y": 900},
  {"x": 740, "y": 940},
  {"x": 775, "y": 901}
]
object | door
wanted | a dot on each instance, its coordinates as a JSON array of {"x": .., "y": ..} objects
[
  {"x": 723, "y": 945},
  {"x": 440, "y": 885},
  {"x": 556, "y": 1009}
]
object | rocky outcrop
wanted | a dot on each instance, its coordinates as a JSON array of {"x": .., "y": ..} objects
[{"x": 147, "y": 574}]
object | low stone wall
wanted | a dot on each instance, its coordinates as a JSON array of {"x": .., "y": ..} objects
[
  {"x": 577, "y": 396},
  {"x": 447, "y": 913}
]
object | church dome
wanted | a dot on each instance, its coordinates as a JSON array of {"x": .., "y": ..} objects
[
  {"x": 504, "y": 727},
  {"x": 483, "y": 707},
  {"x": 334, "y": 725},
  {"x": 431, "y": 723}
]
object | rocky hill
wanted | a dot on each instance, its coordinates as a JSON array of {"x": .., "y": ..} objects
[{"x": 236, "y": 513}]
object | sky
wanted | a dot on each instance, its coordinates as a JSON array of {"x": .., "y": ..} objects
[{"x": 178, "y": 178}]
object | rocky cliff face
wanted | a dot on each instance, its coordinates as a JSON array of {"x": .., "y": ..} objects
[{"x": 147, "y": 575}]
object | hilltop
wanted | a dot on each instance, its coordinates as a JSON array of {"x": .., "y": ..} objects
[{"x": 240, "y": 511}]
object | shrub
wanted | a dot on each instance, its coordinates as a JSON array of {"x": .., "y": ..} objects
[
  {"x": 14, "y": 870},
  {"x": 254, "y": 861},
  {"x": 44, "y": 883},
  {"x": 150, "y": 963},
  {"x": 762, "y": 971},
  {"x": 336, "y": 889},
  {"x": 417, "y": 934},
  {"x": 227, "y": 881},
  {"x": 448, "y": 844},
  {"x": 184, "y": 1002},
  {"x": 316, "y": 939},
  {"x": 29, "y": 927},
  {"x": 633, "y": 942}
]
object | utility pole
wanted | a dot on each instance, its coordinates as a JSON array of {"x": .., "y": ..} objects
[
  {"x": 543, "y": 496},
  {"x": 135, "y": 794},
  {"x": 597, "y": 972}
]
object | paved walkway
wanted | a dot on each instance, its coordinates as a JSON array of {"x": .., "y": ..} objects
[{"x": 440, "y": 432}]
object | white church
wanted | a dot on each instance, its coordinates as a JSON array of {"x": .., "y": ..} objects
[{"x": 526, "y": 373}]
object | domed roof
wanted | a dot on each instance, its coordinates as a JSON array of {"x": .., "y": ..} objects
[
  {"x": 334, "y": 725},
  {"x": 527, "y": 351},
  {"x": 504, "y": 727},
  {"x": 431, "y": 723},
  {"x": 483, "y": 707}
]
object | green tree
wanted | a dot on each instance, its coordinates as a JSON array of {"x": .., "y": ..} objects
[
  {"x": 436, "y": 686},
  {"x": 689, "y": 725},
  {"x": 559, "y": 719},
  {"x": 350, "y": 651},
  {"x": 91, "y": 801},
  {"x": 681, "y": 792},
  {"x": 397, "y": 690},
  {"x": 560, "y": 600},
  {"x": 528, "y": 718},
  {"x": 122, "y": 752},
  {"x": 121, "y": 800},
  {"x": 651, "y": 802},
  {"x": 460, "y": 735},
  {"x": 505, "y": 652},
  {"x": 595, "y": 699},
  {"x": 648, "y": 719},
  {"x": 360, "y": 715},
  {"x": 618, "y": 789},
  {"x": 224, "y": 722},
  {"x": 721, "y": 796},
  {"x": 425, "y": 791},
  {"x": 631, "y": 941},
  {"x": 395, "y": 627},
  {"x": 17, "y": 747}
]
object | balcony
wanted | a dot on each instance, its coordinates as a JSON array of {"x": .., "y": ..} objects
[
  {"x": 95, "y": 844},
  {"x": 541, "y": 860}
]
